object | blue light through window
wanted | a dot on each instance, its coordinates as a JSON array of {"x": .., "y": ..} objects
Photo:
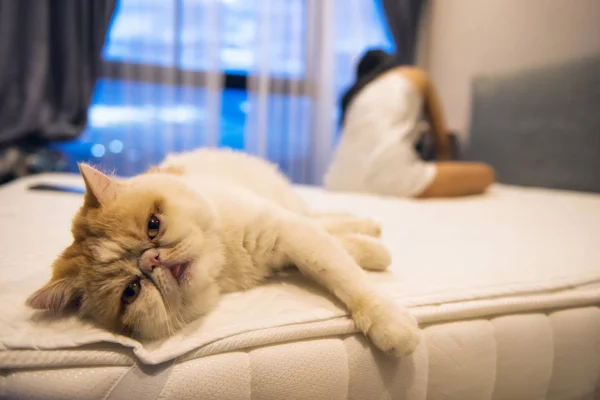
[{"x": 132, "y": 123}]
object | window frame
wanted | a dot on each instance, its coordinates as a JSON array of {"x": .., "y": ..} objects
[{"x": 174, "y": 75}]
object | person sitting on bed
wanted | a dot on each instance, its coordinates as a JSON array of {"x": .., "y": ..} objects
[{"x": 381, "y": 114}]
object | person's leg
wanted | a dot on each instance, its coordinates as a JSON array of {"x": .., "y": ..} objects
[{"x": 453, "y": 179}]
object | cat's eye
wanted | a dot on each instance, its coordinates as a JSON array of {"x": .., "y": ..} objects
[
  {"x": 131, "y": 292},
  {"x": 153, "y": 227}
]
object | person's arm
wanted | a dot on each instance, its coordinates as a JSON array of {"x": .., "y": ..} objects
[
  {"x": 452, "y": 179},
  {"x": 438, "y": 125},
  {"x": 433, "y": 111}
]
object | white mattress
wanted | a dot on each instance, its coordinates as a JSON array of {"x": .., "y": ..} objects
[{"x": 506, "y": 287}]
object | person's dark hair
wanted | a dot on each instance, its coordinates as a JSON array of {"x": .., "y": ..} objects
[
  {"x": 371, "y": 64},
  {"x": 371, "y": 60}
]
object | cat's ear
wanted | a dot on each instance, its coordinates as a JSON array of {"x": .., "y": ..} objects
[
  {"x": 58, "y": 295},
  {"x": 99, "y": 188}
]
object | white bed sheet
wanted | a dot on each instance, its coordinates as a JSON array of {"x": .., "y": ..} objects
[{"x": 513, "y": 251}]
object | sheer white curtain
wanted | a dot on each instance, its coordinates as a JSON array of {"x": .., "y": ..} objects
[
  {"x": 292, "y": 121},
  {"x": 179, "y": 58}
]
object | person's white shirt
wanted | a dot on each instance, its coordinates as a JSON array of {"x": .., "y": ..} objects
[{"x": 376, "y": 152}]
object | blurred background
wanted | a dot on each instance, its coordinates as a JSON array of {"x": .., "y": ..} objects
[{"x": 120, "y": 83}]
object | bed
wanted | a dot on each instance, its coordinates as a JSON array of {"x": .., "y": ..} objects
[{"x": 506, "y": 287}]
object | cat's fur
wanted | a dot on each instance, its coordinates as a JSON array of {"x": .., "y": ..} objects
[{"x": 228, "y": 221}]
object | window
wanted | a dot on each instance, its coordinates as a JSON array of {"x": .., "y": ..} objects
[{"x": 160, "y": 55}]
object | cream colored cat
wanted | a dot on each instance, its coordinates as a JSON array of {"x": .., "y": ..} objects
[{"x": 154, "y": 252}]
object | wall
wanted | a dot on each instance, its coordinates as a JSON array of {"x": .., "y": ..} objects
[{"x": 463, "y": 38}]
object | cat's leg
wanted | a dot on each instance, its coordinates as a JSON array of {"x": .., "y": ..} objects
[
  {"x": 342, "y": 223},
  {"x": 367, "y": 251},
  {"x": 323, "y": 258}
]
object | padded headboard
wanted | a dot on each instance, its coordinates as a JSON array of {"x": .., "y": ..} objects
[{"x": 540, "y": 127}]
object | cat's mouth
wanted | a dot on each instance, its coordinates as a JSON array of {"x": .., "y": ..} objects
[{"x": 178, "y": 270}]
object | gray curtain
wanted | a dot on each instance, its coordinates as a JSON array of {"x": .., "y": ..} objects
[
  {"x": 403, "y": 17},
  {"x": 50, "y": 53}
]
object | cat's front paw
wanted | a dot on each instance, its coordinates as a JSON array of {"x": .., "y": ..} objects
[{"x": 390, "y": 328}]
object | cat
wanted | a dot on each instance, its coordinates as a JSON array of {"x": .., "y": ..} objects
[{"x": 154, "y": 252}]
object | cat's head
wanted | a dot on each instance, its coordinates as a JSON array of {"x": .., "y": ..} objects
[{"x": 144, "y": 258}]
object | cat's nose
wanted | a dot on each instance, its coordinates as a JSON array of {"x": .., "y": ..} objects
[{"x": 149, "y": 260}]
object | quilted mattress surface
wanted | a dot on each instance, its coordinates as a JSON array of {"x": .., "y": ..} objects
[
  {"x": 464, "y": 266},
  {"x": 530, "y": 356}
]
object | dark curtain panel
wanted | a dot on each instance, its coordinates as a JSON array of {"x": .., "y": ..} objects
[
  {"x": 50, "y": 54},
  {"x": 403, "y": 17}
]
